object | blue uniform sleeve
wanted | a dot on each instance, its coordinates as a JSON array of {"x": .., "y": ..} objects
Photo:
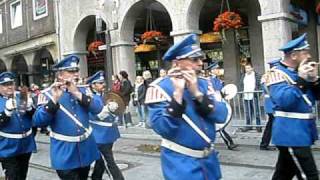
[
  {"x": 220, "y": 112},
  {"x": 284, "y": 95},
  {"x": 161, "y": 122},
  {"x": 42, "y": 116},
  {"x": 96, "y": 104}
]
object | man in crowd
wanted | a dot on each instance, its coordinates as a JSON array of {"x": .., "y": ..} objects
[
  {"x": 65, "y": 108},
  {"x": 249, "y": 83},
  {"x": 105, "y": 130},
  {"x": 183, "y": 111},
  {"x": 293, "y": 85},
  {"x": 17, "y": 141}
]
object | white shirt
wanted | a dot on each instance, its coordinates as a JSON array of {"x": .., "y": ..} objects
[{"x": 249, "y": 85}]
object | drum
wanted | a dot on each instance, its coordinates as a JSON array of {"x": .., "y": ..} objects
[{"x": 228, "y": 92}]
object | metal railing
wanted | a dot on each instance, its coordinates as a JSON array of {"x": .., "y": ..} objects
[{"x": 248, "y": 113}]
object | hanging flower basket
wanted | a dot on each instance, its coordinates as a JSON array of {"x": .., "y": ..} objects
[
  {"x": 93, "y": 46},
  {"x": 151, "y": 35},
  {"x": 144, "y": 48},
  {"x": 227, "y": 20}
]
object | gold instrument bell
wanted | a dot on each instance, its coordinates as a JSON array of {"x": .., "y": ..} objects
[{"x": 114, "y": 97}]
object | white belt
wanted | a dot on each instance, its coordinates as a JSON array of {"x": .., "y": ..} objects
[
  {"x": 294, "y": 115},
  {"x": 100, "y": 123},
  {"x": 16, "y": 136},
  {"x": 79, "y": 138},
  {"x": 185, "y": 150}
]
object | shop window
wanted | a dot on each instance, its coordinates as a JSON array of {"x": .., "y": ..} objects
[
  {"x": 1, "y": 30},
  {"x": 40, "y": 9},
  {"x": 16, "y": 14}
]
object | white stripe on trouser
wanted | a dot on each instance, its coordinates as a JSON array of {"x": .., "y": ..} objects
[{"x": 297, "y": 163}]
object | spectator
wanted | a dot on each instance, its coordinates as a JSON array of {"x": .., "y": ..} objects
[
  {"x": 162, "y": 73},
  {"x": 125, "y": 93},
  {"x": 250, "y": 82},
  {"x": 116, "y": 84},
  {"x": 139, "y": 97},
  {"x": 147, "y": 77}
]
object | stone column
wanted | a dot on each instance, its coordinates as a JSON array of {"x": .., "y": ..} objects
[
  {"x": 29, "y": 58},
  {"x": 124, "y": 58},
  {"x": 231, "y": 59},
  {"x": 276, "y": 29}
]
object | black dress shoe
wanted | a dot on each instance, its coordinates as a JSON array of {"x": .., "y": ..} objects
[
  {"x": 233, "y": 146},
  {"x": 267, "y": 148}
]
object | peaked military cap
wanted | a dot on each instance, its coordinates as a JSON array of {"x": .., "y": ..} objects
[
  {"x": 98, "y": 77},
  {"x": 6, "y": 77},
  {"x": 297, "y": 44},
  {"x": 274, "y": 62},
  {"x": 187, "y": 48},
  {"x": 69, "y": 63},
  {"x": 214, "y": 65}
]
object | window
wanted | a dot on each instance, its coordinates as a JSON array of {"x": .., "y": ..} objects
[
  {"x": 1, "y": 30},
  {"x": 16, "y": 14},
  {"x": 40, "y": 9}
]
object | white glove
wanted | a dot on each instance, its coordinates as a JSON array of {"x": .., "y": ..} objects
[
  {"x": 104, "y": 113},
  {"x": 308, "y": 71},
  {"x": 10, "y": 106},
  {"x": 113, "y": 106}
]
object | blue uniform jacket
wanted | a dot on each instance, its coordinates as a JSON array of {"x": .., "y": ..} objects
[
  {"x": 216, "y": 83},
  {"x": 70, "y": 155},
  {"x": 16, "y": 124},
  {"x": 103, "y": 134},
  {"x": 268, "y": 104},
  {"x": 287, "y": 97},
  {"x": 176, "y": 166}
]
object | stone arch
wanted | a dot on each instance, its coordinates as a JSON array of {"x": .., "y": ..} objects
[
  {"x": 19, "y": 66},
  {"x": 42, "y": 66},
  {"x": 129, "y": 18},
  {"x": 2, "y": 66},
  {"x": 82, "y": 28}
]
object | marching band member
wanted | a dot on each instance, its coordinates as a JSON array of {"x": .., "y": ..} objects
[
  {"x": 217, "y": 86},
  {"x": 105, "y": 131},
  {"x": 65, "y": 108},
  {"x": 293, "y": 86},
  {"x": 17, "y": 141},
  {"x": 183, "y": 111}
]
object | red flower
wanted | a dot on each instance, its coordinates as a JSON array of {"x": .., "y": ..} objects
[
  {"x": 93, "y": 46},
  {"x": 227, "y": 20},
  {"x": 149, "y": 35}
]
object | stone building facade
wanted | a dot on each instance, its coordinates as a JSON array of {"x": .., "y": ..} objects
[
  {"x": 28, "y": 38},
  {"x": 70, "y": 26},
  {"x": 269, "y": 21}
]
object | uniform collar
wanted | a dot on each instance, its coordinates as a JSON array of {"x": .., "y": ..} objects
[{"x": 287, "y": 67}]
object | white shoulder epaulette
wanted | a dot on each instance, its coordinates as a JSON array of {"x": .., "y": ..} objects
[{"x": 275, "y": 76}]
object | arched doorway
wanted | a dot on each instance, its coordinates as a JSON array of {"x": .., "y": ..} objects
[
  {"x": 42, "y": 67},
  {"x": 3, "y": 67},
  {"x": 241, "y": 45},
  {"x": 86, "y": 39},
  {"x": 20, "y": 68},
  {"x": 147, "y": 16}
]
